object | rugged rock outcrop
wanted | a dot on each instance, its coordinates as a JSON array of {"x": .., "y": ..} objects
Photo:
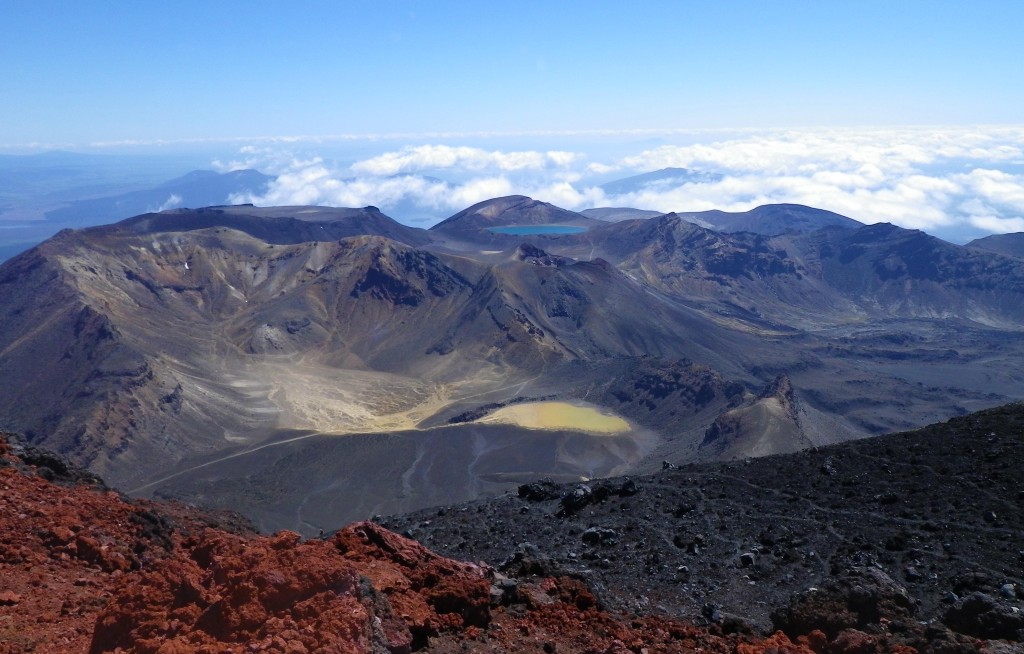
[
  {"x": 859, "y": 541},
  {"x": 362, "y": 590},
  {"x": 82, "y": 569},
  {"x": 763, "y": 425}
]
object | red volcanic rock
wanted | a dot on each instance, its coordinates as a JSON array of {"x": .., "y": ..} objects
[
  {"x": 83, "y": 570},
  {"x": 276, "y": 594},
  {"x": 777, "y": 642},
  {"x": 852, "y": 641},
  {"x": 9, "y": 597},
  {"x": 63, "y": 549},
  {"x": 428, "y": 591},
  {"x": 265, "y": 594}
]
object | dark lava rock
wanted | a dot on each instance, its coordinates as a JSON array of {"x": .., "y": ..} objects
[
  {"x": 852, "y": 600},
  {"x": 984, "y": 616},
  {"x": 599, "y": 536},
  {"x": 50, "y": 466},
  {"x": 539, "y": 491},
  {"x": 576, "y": 499},
  {"x": 680, "y": 538},
  {"x": 582, "y": 495},
  {"x": 628, "y": 488},
  {"x": 527, "y": 560}
]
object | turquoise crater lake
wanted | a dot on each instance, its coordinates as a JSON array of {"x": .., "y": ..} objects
[{"x": 524, "y": 230}]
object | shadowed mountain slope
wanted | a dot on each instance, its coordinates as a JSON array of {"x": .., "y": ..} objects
[
  {"x": 767, "y": 424},
  {"x": 279, "y": 225},
  {"x": 893, "y": 271},
  {"x": 755, "y": 277},
  {"x": 1010, "y": 245},
  {"x": 178, "y": 335},
  {"x": 767, "y": 220},
  {"x": 771, "y": 219},
  {"x": 830, "y": 275},
  {"x": 278, "y": 358}
]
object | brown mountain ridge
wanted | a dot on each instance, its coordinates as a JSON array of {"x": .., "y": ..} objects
[{"x": 277, "y": 360}]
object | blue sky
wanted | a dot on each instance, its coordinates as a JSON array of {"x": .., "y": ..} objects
[
  {"x": 82, "y": 72},
  {"x": 903, "y": 111}
]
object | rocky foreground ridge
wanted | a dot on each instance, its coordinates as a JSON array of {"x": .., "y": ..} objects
[
  {"x": 83, "y": 569},
  {"x": 930, "y": 520}
]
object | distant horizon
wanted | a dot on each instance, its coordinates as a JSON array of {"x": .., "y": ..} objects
[
  {"x": 955, "y": 182},
  {"x": 911, "y": 113},
  {"x": 149, "y": 147}
]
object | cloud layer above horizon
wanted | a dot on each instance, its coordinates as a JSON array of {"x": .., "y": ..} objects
[{"x": 942, "y": 180}]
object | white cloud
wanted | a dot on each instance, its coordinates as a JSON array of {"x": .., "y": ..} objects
[
  {"x": 562, "y": 158},
  {"x": 478, "y": 190},
  {"x": 910, "y": 177},
  {"x": 312, "y": 183},
  {"x": 173, "y": 201},
  {"x": 433, "y": 157},
  {"x": 835, "y": 150},
  {"x": 996, "y": 187},
  {"x": 271, "y": 161},
  {"x": 936, "y": 178},
  {"x": 998, "y": 225},
  {"x": 600, "y": 168}
]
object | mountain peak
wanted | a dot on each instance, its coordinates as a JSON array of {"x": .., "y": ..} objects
[
  {"x": 1010, "y": 245},
  {"x": 512, "y": 210},
  {"x": 772, "y": 219}
]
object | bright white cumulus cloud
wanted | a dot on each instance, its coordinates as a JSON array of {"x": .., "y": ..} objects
[
  {"x": 435, "y": 157},
  {"x": 912, "y": 177},
  {"x": 937, "y": 179},
  {"x": 314, "y": 184}
]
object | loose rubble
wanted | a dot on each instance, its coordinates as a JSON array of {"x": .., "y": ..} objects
[{"x": 84, "y": 569}]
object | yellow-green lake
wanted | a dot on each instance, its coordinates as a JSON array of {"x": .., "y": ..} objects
[{"x": 558, "y": 415}]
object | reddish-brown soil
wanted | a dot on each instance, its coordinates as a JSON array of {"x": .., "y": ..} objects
[{"x": 82, "y": 569}]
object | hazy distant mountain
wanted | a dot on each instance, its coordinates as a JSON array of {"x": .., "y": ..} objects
[
  {"x": 8, "y": 251},
  {"x": 657, "y": 180},
  {"x": 616, "y": 214},
  {"x": 1010, "y": 245},
  {"x": 31, "y": 186},
  {"x": 771, "y": 219},
  {"x": 48, "y": 177},
  {"x": 199, "y": 188}
]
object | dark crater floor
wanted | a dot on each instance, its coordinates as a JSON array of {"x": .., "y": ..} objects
[{"x": 939, "y": 510}]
